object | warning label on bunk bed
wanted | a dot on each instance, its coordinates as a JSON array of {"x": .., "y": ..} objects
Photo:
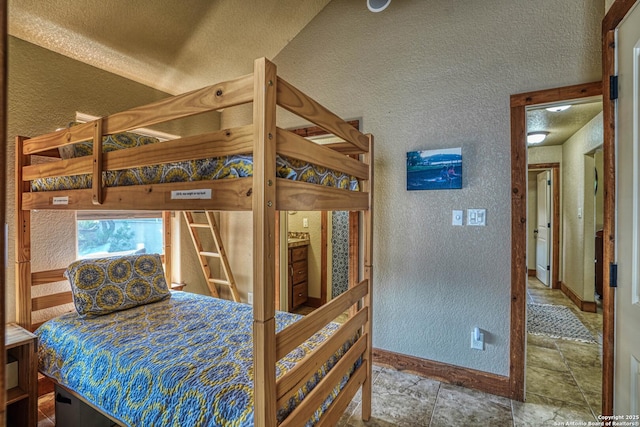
[
  {"x": 191, "y": 194},
  {"x": 62, "y": 200}
]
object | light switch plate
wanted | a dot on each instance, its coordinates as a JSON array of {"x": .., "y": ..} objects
[
  {"x": 456, "y": 217},
  {"x": 477, "y": 217}
]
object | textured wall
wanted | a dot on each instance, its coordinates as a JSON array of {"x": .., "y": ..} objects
[
  {"x": 577, "y": 193},
  {"x": 552, "y": 154},
  {"x": 45, "y": 91},
  {"x": 438, "y": 74}
]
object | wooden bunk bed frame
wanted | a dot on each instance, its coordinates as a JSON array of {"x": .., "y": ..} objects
[{"x": 263, "y": 194}]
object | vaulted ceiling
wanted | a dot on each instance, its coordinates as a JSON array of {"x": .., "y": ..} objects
[
  {"x": 179, "y": 45},
  {"x": 171, "y": 45}
]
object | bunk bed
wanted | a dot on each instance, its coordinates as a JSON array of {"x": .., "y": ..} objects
[{"x": 344, "y": 352}]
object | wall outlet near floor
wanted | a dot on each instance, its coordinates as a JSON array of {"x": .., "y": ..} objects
[
  {"x": 250, "y": 297},
  {"x": 477, "y": 339}
]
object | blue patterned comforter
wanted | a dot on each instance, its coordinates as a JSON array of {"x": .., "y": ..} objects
[
  {"x": 184, "y": 361},
  {"x": 236, "y": 166}
]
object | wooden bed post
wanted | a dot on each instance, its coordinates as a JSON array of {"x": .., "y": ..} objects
[
  {"x": 368, "y": 276},
  {"x": 264, "y": 211},
  {"x": 23, "y": 243},
  {"x": 166, "y": 232}
]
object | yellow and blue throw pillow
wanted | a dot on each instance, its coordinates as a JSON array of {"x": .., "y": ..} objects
[{"x": 105, "y": 285}]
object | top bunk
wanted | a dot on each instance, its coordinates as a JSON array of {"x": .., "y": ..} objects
[{"x": 278, "y": 167}]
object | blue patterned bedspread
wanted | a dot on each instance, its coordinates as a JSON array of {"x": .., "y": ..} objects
[
  {"x": 236, "y": 166},
  {"x": 184, "y": 361}
]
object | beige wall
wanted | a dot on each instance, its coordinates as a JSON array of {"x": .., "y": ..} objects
[
  {"x": 577, "y": 190},
  {"x": 425, "y": 75},
  {"x": 600, "y": 192},
  {"x": 45, "y": 91},
  {"x": 537, "y": 155}
]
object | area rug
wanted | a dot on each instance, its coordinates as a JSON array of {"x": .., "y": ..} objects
[{"x": 556, "y": 321}]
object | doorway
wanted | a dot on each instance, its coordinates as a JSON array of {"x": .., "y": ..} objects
[
  {"x": 552, "y": 211},
  {"x": 329, "y": 242},
  {"x": 519, "y": 271},
  {"x": 543, "y": 227},
  {"x": 563, "y": 367}
]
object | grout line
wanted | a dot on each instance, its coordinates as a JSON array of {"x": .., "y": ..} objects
[{"x": 435, "y": 404}]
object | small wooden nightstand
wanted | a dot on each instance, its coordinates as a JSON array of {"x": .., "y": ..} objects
[{"x": 22, "y": 400}]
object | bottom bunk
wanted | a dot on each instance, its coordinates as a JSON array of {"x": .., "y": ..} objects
[{"x": 145, "y": 356}]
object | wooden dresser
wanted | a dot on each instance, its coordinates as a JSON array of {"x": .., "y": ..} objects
[{"x": 298, "y": 286}]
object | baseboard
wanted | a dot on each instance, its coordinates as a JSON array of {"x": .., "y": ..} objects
[
  {"x": 450, "y": 374},
  {"x": 531, "y": 273},
  {"x": 588, "y": 306}
]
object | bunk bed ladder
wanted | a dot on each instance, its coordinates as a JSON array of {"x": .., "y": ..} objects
[{"x": 204, "y": 256}]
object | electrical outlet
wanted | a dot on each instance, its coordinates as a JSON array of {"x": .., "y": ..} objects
[
  {"x": 305, "y": 222},
  {"x": 477, "y": 339},
  {"x": 250, "y": 297}
]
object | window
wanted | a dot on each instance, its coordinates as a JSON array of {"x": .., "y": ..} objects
[{"x": 118, "y": 233}]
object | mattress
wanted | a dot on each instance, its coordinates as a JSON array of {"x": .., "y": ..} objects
[
  {"x": 184, "y": 361},
  {"x": 235, "y": 166}
]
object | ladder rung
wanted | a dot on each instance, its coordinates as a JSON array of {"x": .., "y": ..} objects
[
  {"x": 213, "y": 228},
  {"x": 198, "y": 225},
  {"x": 211, "y": 254}
]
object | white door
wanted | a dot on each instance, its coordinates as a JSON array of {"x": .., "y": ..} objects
[
  {"x": 627, "y": 340},
  {"x": 543, "y": 227}
]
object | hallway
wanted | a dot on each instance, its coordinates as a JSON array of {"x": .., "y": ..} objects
[{"x": 563, "y": 371}]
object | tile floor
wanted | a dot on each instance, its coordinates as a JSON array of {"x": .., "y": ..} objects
[{"x": 563, "y": 386}]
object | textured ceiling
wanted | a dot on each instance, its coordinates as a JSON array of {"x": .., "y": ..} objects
[
  {"x": 562, "y": 125},
  {"x": 176, "y": 46},
  {"x": 171, "y": 45}
]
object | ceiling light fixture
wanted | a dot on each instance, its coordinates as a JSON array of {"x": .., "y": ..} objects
[
  {"x": 536, "y": 137},
  {"x": 377, "y": 5},
  {"x": 558, "y": 108}
]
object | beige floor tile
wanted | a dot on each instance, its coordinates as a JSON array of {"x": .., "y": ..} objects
[
  {"x": 540, "y": 411},
  {"x": 399, "y": 399},
  {"x": 458, "y": 406},
  {"x": 540, "y": 341},
  {"x": 548, "y": 358},
  {"x": 580, "y": 354},
  {"x": 588, "y": 378},
  {"x": 594, "y": 399},
  {"x": 558, "y": 385}
]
